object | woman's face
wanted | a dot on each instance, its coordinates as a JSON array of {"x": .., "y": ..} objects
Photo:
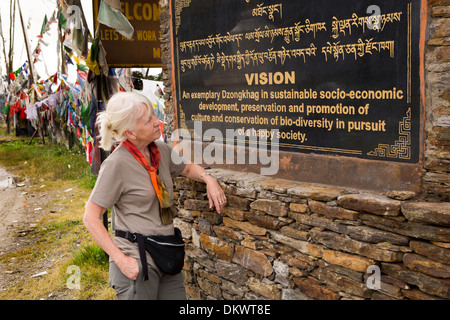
[{"x": 147, "y": 127}]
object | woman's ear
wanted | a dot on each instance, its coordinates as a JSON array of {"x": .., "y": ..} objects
[{"x": 129, "y": 134}]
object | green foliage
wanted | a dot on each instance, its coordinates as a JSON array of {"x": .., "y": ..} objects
[
  {"x": 90, "y": 254},
  {"x": 50, "y": 162},
  {"x": 137, "y": 80}
]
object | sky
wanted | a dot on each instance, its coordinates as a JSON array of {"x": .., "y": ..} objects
[{"x": 33, "y": 12}]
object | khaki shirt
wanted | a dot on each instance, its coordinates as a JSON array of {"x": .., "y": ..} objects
[{"x": 123, "y": 183}]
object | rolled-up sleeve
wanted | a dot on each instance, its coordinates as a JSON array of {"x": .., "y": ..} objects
[{"x": 108, "y": 188}]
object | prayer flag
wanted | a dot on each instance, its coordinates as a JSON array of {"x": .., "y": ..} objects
[
  {"x": 44, "y": 23},
  {"x": 62, "y": 20},
  {"x": 114, "y": 18}
]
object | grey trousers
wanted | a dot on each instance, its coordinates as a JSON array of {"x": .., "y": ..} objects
[{"x": 159, "y": 286}]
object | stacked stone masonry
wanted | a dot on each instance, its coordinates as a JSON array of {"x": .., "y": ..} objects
[
  {"x": 279, "y": 239},
  {"x": 436, "y": 180}
]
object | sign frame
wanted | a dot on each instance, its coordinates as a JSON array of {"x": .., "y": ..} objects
[{"x": 333, "y": 168}]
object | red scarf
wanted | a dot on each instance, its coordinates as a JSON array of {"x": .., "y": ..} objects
[{"x": 164, "y": 197}]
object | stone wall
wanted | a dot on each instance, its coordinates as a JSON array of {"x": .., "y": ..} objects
[
  {"x": 436, "y": 181},
  {"x": 166, "y": 60},
  {"x": 280, "y": 239}
]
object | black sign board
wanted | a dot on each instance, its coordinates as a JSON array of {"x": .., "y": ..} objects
[{"x": 324, "y": 76}]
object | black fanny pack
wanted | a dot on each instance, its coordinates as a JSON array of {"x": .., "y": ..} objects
[{"x": 166, "y": 251}]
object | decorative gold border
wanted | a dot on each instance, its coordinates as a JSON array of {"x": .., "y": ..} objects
[
  {"x": 408, "y": 45},
  {"x": 182, "y": 118},
  {"x": 179, "y": 6},
  {"x": 401, "y": 149}
]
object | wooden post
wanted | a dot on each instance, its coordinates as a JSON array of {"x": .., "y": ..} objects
[
  {"x": 63, "y": 58},
  {"x": 9, "y": 65},
  {"x": 31, "y": 68}
]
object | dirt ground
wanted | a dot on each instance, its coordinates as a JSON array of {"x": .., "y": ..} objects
[
  {"x": 20, "y": 210},
  {"x": 11, "y": 205}
]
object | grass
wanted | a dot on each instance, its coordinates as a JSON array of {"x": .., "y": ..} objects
[
  {"x": 59, "y": 244},
  {"x": 49, "y": 162}
]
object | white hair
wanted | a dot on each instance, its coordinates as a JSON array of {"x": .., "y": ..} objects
[{"x": 121, "y": 114}]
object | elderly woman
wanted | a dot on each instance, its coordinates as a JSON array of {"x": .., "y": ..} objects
[{"x": 136, "y": 179}]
